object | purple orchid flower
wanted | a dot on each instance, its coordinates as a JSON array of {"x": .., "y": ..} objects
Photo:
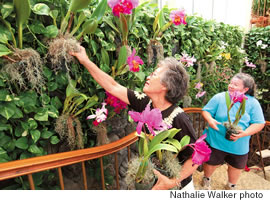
[
  {"x": 152, "y": 118},
  {"x": 201, "y": 152}
]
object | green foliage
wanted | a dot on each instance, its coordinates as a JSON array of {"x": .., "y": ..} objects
[{"x": 260, "y": 56}]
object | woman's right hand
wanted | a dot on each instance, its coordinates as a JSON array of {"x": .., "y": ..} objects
[
  {"x": 213, "y": 123},
  {"x": 80, "y": 55}
]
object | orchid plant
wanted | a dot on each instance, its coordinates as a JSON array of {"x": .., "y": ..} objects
[
  {"x": 122, "y": 10},
  {"x": 200, "y": 93},
  {"x": 151, "y": 143},
  {"x": 231, "y": 99},
  {"x": 155, "y": 48}
]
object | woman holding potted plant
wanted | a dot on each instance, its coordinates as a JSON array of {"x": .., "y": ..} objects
[
  {"x": 162, "y": 90},
  {"x": 236, "y": 110}
]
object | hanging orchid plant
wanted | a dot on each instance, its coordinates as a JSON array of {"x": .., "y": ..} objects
[{"x": 155, "y": 48}]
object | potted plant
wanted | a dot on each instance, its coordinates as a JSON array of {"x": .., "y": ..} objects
[
  {"x": 140, "y": 170},
  {"x": 231, "y": 99},
  {"x": 141, "y": 167}
]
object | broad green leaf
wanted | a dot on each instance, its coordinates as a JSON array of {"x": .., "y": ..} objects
[
  {"x": 6, "y": 111},
  {"x": 100, "y": 10},
  {"x": 42, "y": 115},
  {"x": 155, "y": 24},
  {"x": 3, "y": 38},
  {"x": 7, "y": 9},
  {"x": 105, "y": 57},
  {"x": 5, "y": 127},
  {"x": 22, "y": 143},
  {"x": 41, "y": 9},
  {"x": 52, "y": 86},
  {"x": 122, "y": 58},
  {"x": 4, "y": 140},
  {"x": 175, "y": 143},
  {"x": 4, "y": 50},
  {"x": 54, "y": 14},
  {"x": 34, "y": 149},
  {"x": 47, "y": 73},
  {"x": 228, "y": 100},
  {"x": 37, "y": 27},
  {"x": 160, "y": 137},
  {"x": 23, "y": 10},
  {"x": 18, "y": 113},
  {"x": 32, "y": 124},
  {"x": 35, "y": 135},
  {"x": 18, "y": 131},
  {"x": 110, "y": 23},
  {"x": 94, "y": 46},
  {"x": 3, "y": 154},
  {"x": 46, "y": 134},
  {"x": 161, "y": 19},
  {"x": 105, "y": 68},
  {"x": 56, "y": 102},
  {"x": 25, "y": 155},
  {"x": 53, "y": 112},
  {"x": 54, "y": 140},
  {"x": 140, "y": 75},
  {"x": 45, "y": 99},
  {"x": 51, "y": 31},
  {"x": 71, "y": 89},
  {"x": 28, "y": 98},
  {"x": 173, "y": 132},
  {"x": 10, "y": 146},
  {"x": 3, "y": 94},
  {"x": 29, "y": 109},
  {"x": 76, "y": 5},
  {"x": 90, "y": 26},
  {"x": 185, "y": 140},
  {"x": 160, "y": 147}
]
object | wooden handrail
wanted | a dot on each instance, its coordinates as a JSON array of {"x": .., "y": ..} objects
[
  {"x": 17, "y": 168},
  {"x": 193, "y": 110}
]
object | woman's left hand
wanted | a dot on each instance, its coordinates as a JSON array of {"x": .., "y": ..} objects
[
  {"x": 163, "y": 183},
  {"x": 240, "y": 134}
]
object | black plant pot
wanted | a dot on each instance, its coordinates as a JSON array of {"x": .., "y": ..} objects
[
  {"x": 145, "y": 186},
  {"x": 230, "y": 130}
]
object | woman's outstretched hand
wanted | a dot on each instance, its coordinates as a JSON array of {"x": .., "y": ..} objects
[
  {"x": 163, "y": 183},
  {"x": 80, "y": 55},
  {"x": 213, "y": 124}
]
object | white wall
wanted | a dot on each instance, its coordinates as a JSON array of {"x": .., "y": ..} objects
[{"x": 234, "y": 12}]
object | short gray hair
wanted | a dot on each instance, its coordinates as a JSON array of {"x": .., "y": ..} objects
[
  {"x": 248, "y": 82},
  {"x": 175, "y": 79}
]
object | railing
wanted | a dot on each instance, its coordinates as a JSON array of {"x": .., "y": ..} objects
[
  {"x": 259, "y": 143},
  {"x": 56, "y": 161}
]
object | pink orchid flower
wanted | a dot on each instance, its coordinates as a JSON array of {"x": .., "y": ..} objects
[
  {"x": 237, "y": 96},
  {"x": 152, "y": 118},
  {"x": 250, "y": 64},
  {"x": 199, "y": 85},
  {"x": 178, "y": 17},
  {"x": 201, "y": 152},
  {"x": 115, "y": 102},
  {"x": 200, "y": 94},
  {"x": 101, "y": 115},
  {"x": 122, "y": 6},
  {"x": 134, "y": 62},
  {"x": 189, "y": 61}
]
